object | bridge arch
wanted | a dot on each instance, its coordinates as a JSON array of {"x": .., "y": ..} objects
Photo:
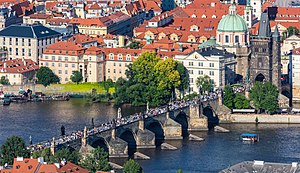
[
  {"x": 212, "y": 118},
  {"x": 99, "y": 142},
  {"x": 130, "y": 137},
  {"x": 156, "y": 127},
  {"x": 182, "y": 119}
]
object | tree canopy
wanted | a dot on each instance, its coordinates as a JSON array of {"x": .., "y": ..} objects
[
  {"x": 96, "y": 161},
  {"x": 13, "y": 147},
  {"x": 292, "y": 30},
  {"x": 60, "y": 155},
  {"x": 241, "y": 102},
  {"x": 46, "y": 76},
  {"x": 205, "y": 83},
  {"x": 76, "y": 77},
  {"x": 151, "y": 79},
  {"x": 4, "y": 80},
  {"x": 265, "y": 96},
  {"x": 229, "y": 96},
  {"x": 131, "y": 167},
  {"x": 135, "y": 45}
]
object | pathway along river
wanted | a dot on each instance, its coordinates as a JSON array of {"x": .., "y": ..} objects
[{"x": 279, "y": 143}]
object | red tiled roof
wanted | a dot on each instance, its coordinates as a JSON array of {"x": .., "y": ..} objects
[
  {"x": 65, "y": 48},
  {"x": 72, "y": 168},
  {"x": 19, "y": 66}
]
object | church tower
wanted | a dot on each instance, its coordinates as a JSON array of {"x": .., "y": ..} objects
[
  {"x": 248, "y": 14},
  {"x": 276, "y": 71}
]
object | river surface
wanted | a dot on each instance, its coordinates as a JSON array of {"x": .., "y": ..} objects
[{"x": 278, "y": 143}]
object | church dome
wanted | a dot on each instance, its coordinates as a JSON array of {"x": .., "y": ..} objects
[{"x": 232, "y": 22}]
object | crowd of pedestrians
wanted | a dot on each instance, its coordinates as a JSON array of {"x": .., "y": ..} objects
[{"x": 175, "y": 105}]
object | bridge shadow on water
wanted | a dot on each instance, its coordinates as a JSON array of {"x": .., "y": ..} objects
[{"x": 213, "y": 119}]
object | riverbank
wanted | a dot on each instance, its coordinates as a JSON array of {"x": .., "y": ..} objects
[
  {"x": 262, "y": 118},
  {"x": 81, "y": 88}
]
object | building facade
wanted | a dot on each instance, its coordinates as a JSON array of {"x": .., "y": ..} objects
[
  {"x": 218, "y": 64},
  {"x": 27, "y": 41},
  {"x": 64, "y": 57}
]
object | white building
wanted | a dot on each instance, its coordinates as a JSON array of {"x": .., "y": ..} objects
[
  {"x": 295, "y": 71},
  {"x": 218, "y": 64}
]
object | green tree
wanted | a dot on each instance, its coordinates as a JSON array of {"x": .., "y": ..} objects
[
  {"x": 121, "y": 86},
  {"x": 65, "y": 154},
  {"x": 107, "y": 84},
  {"x": 4, "y": 81},
  {"x": 179, "y": 171},
  {"x": 135, "y": 45},
  {"x": 264, "y": 96},
  {"x": 13, "y": 147},
  {"x": 184, "y": 77},
  {"x": 46, "y": 76},
  {"x": 292, "y": 30},
  {"x": 240, "y": 102},
  {"x": 76, "y": 77},
  {"x": 205, "y": 83},
  {"x": 229, "y": 96},
  {"x": 131, "y": 167},
  {"x": 96, "y": 161}
]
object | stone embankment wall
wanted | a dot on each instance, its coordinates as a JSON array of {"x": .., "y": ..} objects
[
  {"x": 262, "y": 118},
  {"x": 14, "y": 89}
]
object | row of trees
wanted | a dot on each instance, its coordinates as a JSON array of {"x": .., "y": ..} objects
[
  {"x": 151, "y": 80},
  {"x": 235, "y": 100},
  {"x": 264, "y": 97},
  {"x": 45, "y": 76},
  {"x": 95, "y": 161}
]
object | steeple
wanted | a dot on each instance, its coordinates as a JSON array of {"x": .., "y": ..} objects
[
  {"x": 276, "y": 34},
  {"x": 232, "y": 8},
  {"x": 264, "y": 26}
]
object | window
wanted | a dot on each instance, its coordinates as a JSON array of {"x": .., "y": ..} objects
[
  {"x": 29, "y": 52},
  {"x": 108, "y": 70},
  {"x": 191, "y": 80},
  {"x": 211, "y": 64},
  {"x": 66, "y": 58},
  {"x": 23, "y": 52},
  {"x": 191, "y": 63},
  {"x": 73, "y": 58},
  {"x": 59, "y": 58},
  {"x": 10, "y": 51},
  {"x": 111, "y": 56},
  {"x": 46, "y": 64},
  {"x": 114, "y": 64},
  {"x": 128, "y": 57},
  {"x": 190, "y": 71},
  {"x": 114, "y": 70},
  {"x": 201, "y": 64},
  {"x": 120, "y": 71},
  {"x": 120, "y": 57},
  {"x": 211, "y": 73},
  {"x": 53, "y": 64},
  {"x": 59, "y": 64},
  {"x": 226, "y": 39},
  {"x": 120, "y": 65},
  {"x": 66, "y": 79},
  {"x": 53, "y": 58},
  {"x": 237, "y": 39},
  {"x": 29, "y": 42},
  {"x": 17, "y": 51},
  {"x": 200, "y": 72},
  {"x": 17, "y": 41},
  {"x": 59, "y": 71},
  {"x": 10, "y": 40},
  {"x": 46, "y": 57},
  {"x": 66, "y": 65},
  {"x": 73, "y": 65},
  {"x": 3, "y": 40},
  {"x": 66, "y": 71}
]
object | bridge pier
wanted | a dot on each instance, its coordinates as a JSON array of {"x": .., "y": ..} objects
[
  {"x": 172, "y": 129},
  {"x": 116, "y": 146},
  {"x": 144, "y": 138},
  {"x": 197, "y": 122}
]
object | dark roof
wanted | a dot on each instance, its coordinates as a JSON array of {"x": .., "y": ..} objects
[
  {"x": 214, "y": 52},
  {"x": 28, "y": 31},
  {"x": 264, "y": 26}
]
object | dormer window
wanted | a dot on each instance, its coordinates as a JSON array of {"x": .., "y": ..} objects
[
  {"x": 111, "y": 56},
  {"x": 120, "y": 57}
]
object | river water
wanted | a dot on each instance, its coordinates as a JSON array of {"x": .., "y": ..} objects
[{"x": 278, "y": 143}]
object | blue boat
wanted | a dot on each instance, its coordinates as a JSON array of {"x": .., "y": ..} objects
[{"x": 251, "y": 137}]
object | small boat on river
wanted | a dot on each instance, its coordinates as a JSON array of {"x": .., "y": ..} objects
[
  {"x": 5, "y": 101},
  {"x": 249, "y": 137}
]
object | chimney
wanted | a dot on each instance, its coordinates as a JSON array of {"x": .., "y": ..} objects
[
  {"x": 41, "y": 160},
  {"x": 5, "y": 65},
  {"x": 180, "y": 47},
  {"x": 57, "y": 165},
  {"x": 20, "y": 159}
]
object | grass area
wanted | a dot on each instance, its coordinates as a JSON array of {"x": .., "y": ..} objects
[{"x": 79, "y": 88}]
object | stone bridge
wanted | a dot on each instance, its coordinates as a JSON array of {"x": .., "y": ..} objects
[{"x": 148, "y": 132}]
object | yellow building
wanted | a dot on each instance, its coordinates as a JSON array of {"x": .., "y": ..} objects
[{"x": 92, "y": 26}]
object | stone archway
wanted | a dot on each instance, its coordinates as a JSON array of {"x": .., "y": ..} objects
[
  {"x": 100, "y": 142},
  {"x": 128, "y": 136},
  {"x": 212, "y": 118},
  {"x": 157, "y": 128},
  {"x": 181, "y": 118},
  {"x": 260, "y": 77}
]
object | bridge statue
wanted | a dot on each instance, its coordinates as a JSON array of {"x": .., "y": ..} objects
[{"x": 119, "y": 113}]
